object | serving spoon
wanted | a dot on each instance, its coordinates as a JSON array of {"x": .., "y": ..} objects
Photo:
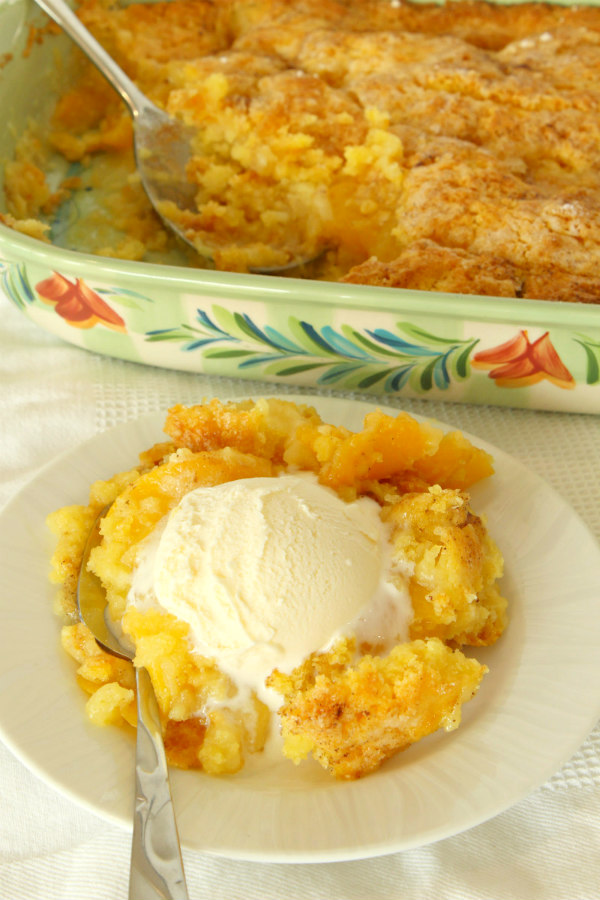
[
  {"x": 161, "y": 143},
  {"x": 156, "y": 870}
]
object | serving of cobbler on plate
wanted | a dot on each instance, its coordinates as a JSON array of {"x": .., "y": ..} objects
[{"x": 291, "y": 586}]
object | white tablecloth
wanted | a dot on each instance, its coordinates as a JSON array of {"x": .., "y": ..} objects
[{"x": 546, "y": 847}]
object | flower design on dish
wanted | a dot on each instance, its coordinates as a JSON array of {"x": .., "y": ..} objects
[
  {"x": 77, "y": 303},
  {"x": 521, "y": 362}
]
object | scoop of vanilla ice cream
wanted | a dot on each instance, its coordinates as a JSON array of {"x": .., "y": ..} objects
[
  {"x": 281, "y": 561},
  {"x": 268, "y": 570}
]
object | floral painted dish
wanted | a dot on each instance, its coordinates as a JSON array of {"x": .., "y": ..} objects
[{"x": 346, "y": 337}]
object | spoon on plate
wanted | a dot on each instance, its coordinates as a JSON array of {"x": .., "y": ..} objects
[
  {"x": 156, "y": 871},
  {"x": 162, "y": 144}
]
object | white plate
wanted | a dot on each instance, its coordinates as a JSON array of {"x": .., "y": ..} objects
[{"x": 534, "y": 709}]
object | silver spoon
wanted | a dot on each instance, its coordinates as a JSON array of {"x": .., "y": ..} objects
[
  {"x": 156, "y": 871},
  {"x": 161, "y": 143}
]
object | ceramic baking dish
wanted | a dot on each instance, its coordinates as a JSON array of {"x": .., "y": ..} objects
[{"x": 380, "y": 341}]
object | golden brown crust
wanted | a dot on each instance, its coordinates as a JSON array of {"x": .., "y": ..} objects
[
  {"x": 264, "y": 428},
  {"x": 455, "y": 567},
  {"x": 448, "y": 147},
  {"x": 352, "y": 720},
  {"x": 427, "y": 266},
  {"x": 395, "y": 449}
]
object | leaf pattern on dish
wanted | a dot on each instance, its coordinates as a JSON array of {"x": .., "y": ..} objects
[{"x": 345, "y": 356}]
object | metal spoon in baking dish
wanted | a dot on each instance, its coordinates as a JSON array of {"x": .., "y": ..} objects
[
  {"x": 156, "y": 866},
  {"x": 161, "y": 143}
]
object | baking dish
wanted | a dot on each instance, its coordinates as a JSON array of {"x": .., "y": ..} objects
[{"x": 284, "y": 330}]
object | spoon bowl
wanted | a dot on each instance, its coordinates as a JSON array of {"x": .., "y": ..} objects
[{"x": 156, "y": 869}]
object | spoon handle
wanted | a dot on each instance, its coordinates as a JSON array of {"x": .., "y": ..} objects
[
  {"x": 156, "y": 865},
  {"x": 64, "y": 16}
]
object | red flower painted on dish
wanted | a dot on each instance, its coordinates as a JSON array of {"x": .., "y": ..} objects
[
  {"x": 77, "y": 303},
  {"x": 521, "y": 362}
]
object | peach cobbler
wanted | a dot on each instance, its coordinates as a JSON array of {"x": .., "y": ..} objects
[
  {"x": 449, "y": 147},
  {"x": 288, "y": 584}
]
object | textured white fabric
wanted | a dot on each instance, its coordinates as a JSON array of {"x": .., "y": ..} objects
[{"x": 545, "y": 848}]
